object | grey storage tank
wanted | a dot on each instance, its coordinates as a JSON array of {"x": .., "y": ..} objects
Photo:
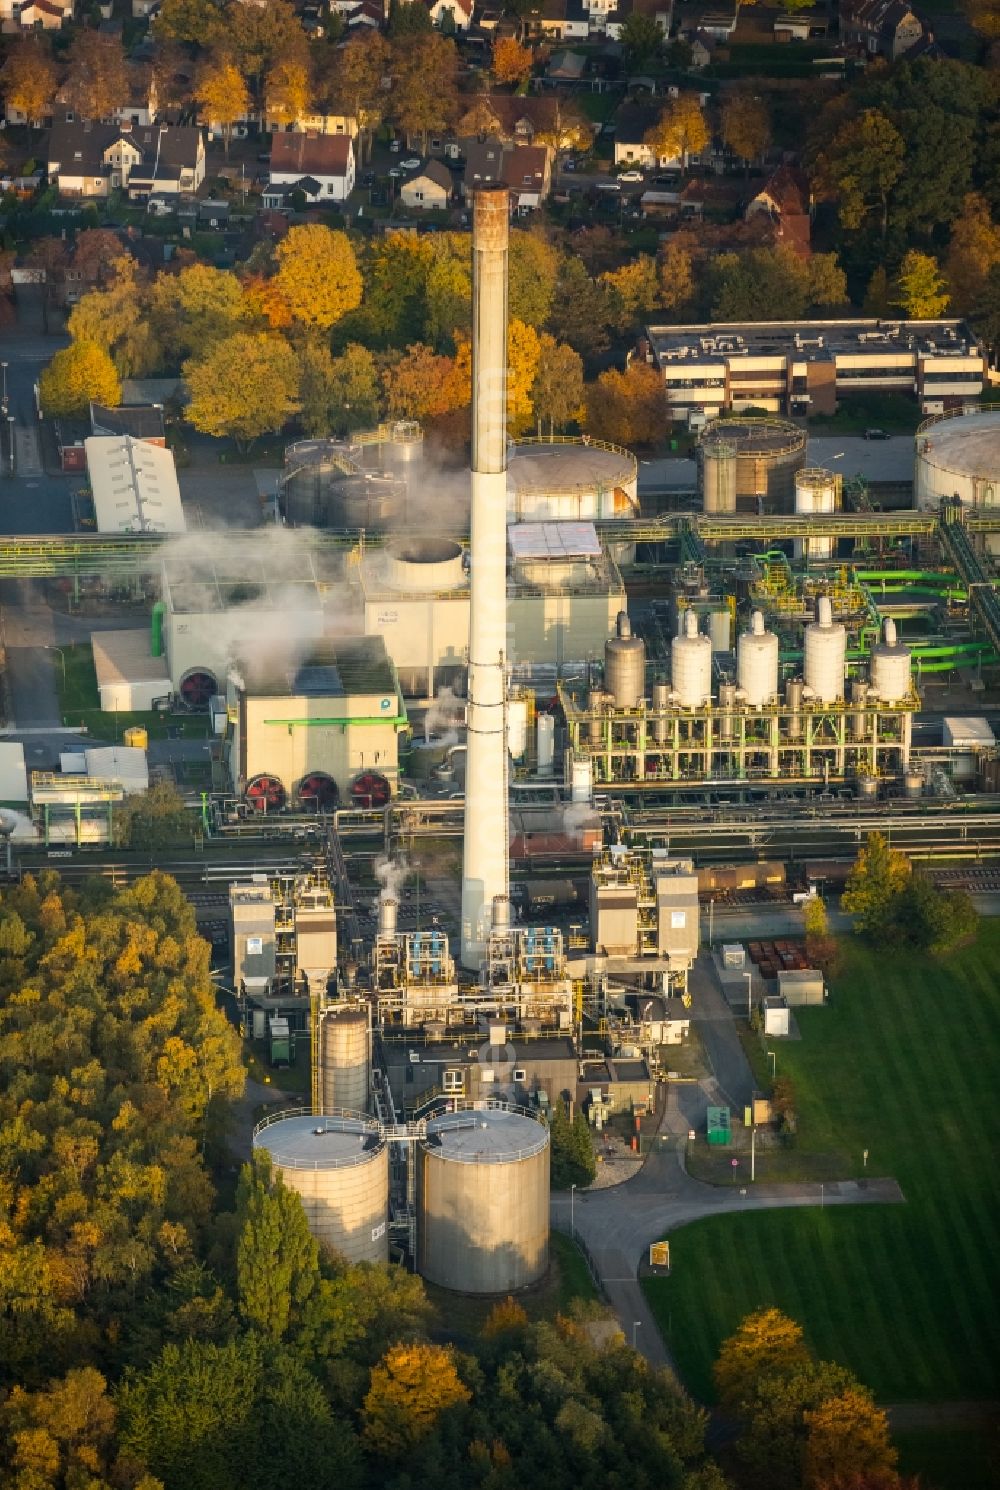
[
  {"x": 338, "y": 1165},
  {"x": 345, "y": 1064},
  {"x": 625, "y": 665},
  {"x": 483, "y": 1199}
]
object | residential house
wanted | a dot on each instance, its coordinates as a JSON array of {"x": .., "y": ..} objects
[
  {"x": 141, "y": 421},
  {"x": 327, "y": 124},
  {"x": 702, "y": 49},
  {"x": 368, "y": 14},
  {"x": 560, "y": 20},
  {"x": 527, "y": 172},
  {"x": 451, "y": 15},
  {"x": 880, "y": 28},
  {"x": 87, "y": 159},
  {"x": 328, "y": 159},
  {"x": 632, "y": 124},
  {"x": 786, "y": 200},
  {"x": 35, "y": 15},
  {"x": 431, "y": 188},
  {"x": 145, "y": 10},
  {"x": 483, "y": 164},
  {"x": 718, "y": 24},
  {"x": 660, "y": 11},
  {"x": 566, "y": 66},
  {"x": 142, "y": 103},
  {"x": 801, "y": 26},
  {"x": 278, "y": 197}
]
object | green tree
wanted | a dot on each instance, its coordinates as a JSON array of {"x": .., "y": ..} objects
[
  {"x": 362, "y": 1310},
  {"x": 406, "y": 21},
  {"x": 318, "y": 274},
  {"x": 155, "y": 819},
  {"x": 243, "y": 387},
  {"x": 580, "y": 310},
  {"x": 986, "y": 312},
  {"x": 860, "y": 168},
  {"x": 194, "y": 310},
  {"x": 878, "y": 300},
  {"x": 772, "y": 1443},
  {"x": 198, "y": 23},
  {"x": 355, "y": 390},
  {"x": 633, "y": 291},
  {"x": 878, "y": 876},
  {"x": 762, "y": 284},
  {"x": 277, "y": 1259},
  {"x": 533, "y": 269},
  {"x": 826, "y": 282},
  {"x": 410, "y": 1388},
  {"x": 424, "y": 95},
  {"x": 78, "y": 375},
  {"x": 353, "y": 84},
  {"x": 922, "y": 916},
  {"x": 448, "y": 291},
  {"x": 641, "y": 37},
  {"x": 263, "y": 34},
  {"x": 920, "y": 287},
  {"x": 557, "y": 393},
  {"x": 572, "y": 1160}
]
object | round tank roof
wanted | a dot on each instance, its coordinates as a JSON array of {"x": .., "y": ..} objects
[
  {"x": 754, "y": 436},
  {"x": 968, "y": 444},
  {"x": 493, "y": 1135},
  {"x": 307, "y": 1142},
  {"x": 568, "y": 466}
]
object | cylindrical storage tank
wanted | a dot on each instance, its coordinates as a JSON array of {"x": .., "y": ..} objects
[
  {"x": 483, "y": 1200},
  {"x": 868, "y": 788},
  {"x": 388, "y": 909},
  {"x": 769, "y": 453},
  {"x": 720, "y": 630},
  {"x": 501, "y": 912},
  {"x": 625, "y": 665},
  {"x": 691, "y": 664},
  {"x": 661, "y": 702},
  {"x": 597, "y": 702},
  {"x": 136, "y": 736},
  {"x": 889, "y": 673},
  {"x": 757, "y": 662},
  {"x": 546, "y": 731},
  {"x": 859, "y": 693},
  {"x": 581, "y": 778},
  {"x": 793, "y": 701},
  {"x": 718, "y": 476},
  {"x": 517, "y": 728},
  {"x": 825, "y": 654},
  {"x": 816, "y": 491},
  {"x": 727, "y": 700},
  {"x": 421, "y": 566},
  {"x": 913, "y": 784},
  {"x": 344, "y": 1060},
  {"x": 338, "y": 1165},
  {"x": 958, "y": 455}
]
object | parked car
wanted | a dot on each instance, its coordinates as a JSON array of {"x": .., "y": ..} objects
[
  {"x": 630, "y": 176},
  {"x": 394, "y": 146},
  {"x": 413, "y": 164},
  {"x": 395, "y": 172},
  {"x": 609, "y": 186},
  {"x": 876, "y": 434}
]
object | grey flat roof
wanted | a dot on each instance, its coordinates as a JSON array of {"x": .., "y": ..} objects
[
  {"x": 487, "y": 1136},
  {"x": 308, "y": 1142},
  {"x": 734, "y": 339}
]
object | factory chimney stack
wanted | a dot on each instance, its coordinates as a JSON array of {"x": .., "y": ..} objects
[{"x": 486, "y": 843}]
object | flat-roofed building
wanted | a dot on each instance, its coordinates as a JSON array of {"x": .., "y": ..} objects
[{"x": 810, "y": 366}]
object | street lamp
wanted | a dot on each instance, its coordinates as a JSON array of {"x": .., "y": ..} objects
[
  {"x": 3, "y": 369},
  {"x": 10, "y": 433},
  {"x": 62, "y": 659},
  {"x": 572, "y": 1211},
  {"x": 635, "y": 1325},
  {"x": 749, "y": 978}
]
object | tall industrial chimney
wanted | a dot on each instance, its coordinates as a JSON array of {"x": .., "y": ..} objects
[{"x": 486, "y": 847}]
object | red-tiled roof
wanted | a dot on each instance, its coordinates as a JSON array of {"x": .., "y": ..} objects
[{"x": 310, "y": 154}]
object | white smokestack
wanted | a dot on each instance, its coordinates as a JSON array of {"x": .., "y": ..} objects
[{"x": 486, "y": 847}]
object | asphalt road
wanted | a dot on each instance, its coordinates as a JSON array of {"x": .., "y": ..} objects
[{"x": 30, "y": 500}]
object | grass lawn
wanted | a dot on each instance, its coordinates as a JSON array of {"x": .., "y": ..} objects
[
  {"x": 902, "y": 1063},
  {"x": 79, "y": 703},
  {"x": 892, "y": 412}
]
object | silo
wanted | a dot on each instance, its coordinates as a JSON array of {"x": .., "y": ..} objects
[
  {"x": 691, "y": 664},
  {"x": 816, "y": 491},
  {"x": 517, "y": 728},
  {"x": 889, "y": 672},
  {"x": 757, "y": 662},
  {"x": 793, "y": 701},
  {"x": 661, "y": 702},
  {"x": 581, "y": 779},
  {"x": 958, "y": 455},
  {"x": 338, "y": 1165},
  {"x": 769, "y": 453},
  {"x": 483, "y": 1200},
  {"x": 718, "y": 476},
  {"x": 597, "y": 702},
  {"x": 546, "y": 735},
  {"x": 344, "y": 1056},
  {"x": 625, "y": 665},
  {"x": 825, "y": 654},
  {"x": 727, "y": 701}
]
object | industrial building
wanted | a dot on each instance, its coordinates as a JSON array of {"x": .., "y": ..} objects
[
  {"x": 958, "y": 459},
  {"x": 809, "y": 367},
  {"x": 134, "y": 486}
]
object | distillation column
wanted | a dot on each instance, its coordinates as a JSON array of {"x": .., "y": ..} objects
[{"x": 486, "y": 843}]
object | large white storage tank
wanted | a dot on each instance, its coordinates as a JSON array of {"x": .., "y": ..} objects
[
  {"x": 338, "y": 1165},
  {"x": 483, "y": 1200},
  {"x": 625, "y": 665},
  {"x": 691, "y": 664},
  {"x": 825, "y": 654},
  {"x": 757, "y": 662},
  {"x": 889, "y": 673},
  {"x": 958, "y": 455},
  {"x": 816, "y": 491},
  {"x": 345, "y": 1061}
]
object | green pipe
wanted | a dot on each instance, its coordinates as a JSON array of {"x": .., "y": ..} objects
[
  {"x": 156, "y": 629},
  {"x": 347, "y": 719}
]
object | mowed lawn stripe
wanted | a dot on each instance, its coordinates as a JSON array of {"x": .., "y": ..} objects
[{"x": 902, "y": 1063}]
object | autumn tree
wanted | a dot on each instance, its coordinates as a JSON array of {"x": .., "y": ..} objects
[
  {"x": 410, "y": 1388},
  {"x": 567, "y": 127},
  {"x": 680, "y": 131},
  {"x": 633, "y": 291},
  {"x": 557, "y": 394},
  {"x": 263, "y": 34},
  {"x": 860, "y": 167},
  {"x": 766, "y": 1343},
  {"x": 982, "y": 16},
  {"x": 78, "y": 375},
  {"x": 155, "y": 819},
  {"x": 28, "y": 78},
  {"x": 973, "y": 251},
  {"x": 222, "y": 93},
  {"x": 354, "y": 85},
  {"x": 846, "y": 1435},
  {"x": 533, "y": 265},
  {"x": 641, "y": 37},
  {"x": 675, "y": 273},
  {"x": 920, "y": 287},
  {"x": 97, "y": 79},
  {"x": 62, "y": 1434},
  {"x": 116, "y": 317},
  {"x": 629, "y": 408},
  {"x": 287, "y": 90},
  {"x": 199, "y": 23},
  {"x": 879, "y": 874},
  {"x": 243, "y": 387},
  {"x": 512, "y": 62},
  {"x": 448, "y": 290},
  {"x": 746, "y": 126},
  {"x": 196, "y": 308},
  {"x": 986, "y": 312},
  {"x": 424, "y": 95},
  {"x": 95, "y": 255},
  {"x": 419, "y": 385},
  {"x": 522, "y": 361},
  {"x": 878, "y": 296},
  {"x": 317, "y": 274}
]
